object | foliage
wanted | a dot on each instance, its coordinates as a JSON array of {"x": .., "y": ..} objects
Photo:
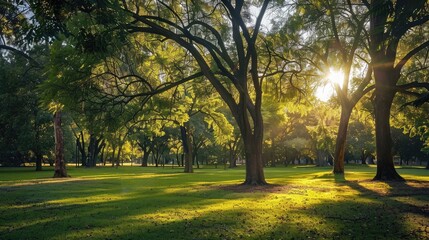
[{"x": 26, "y": 129}]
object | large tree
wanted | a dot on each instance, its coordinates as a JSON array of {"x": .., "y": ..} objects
[
  {"x": 392, "y": 22},
  {"x": 220, "y": 36},
  {"x": 329, "y": 37}
]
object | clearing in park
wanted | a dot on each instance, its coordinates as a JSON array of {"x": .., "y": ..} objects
[{"x": 164, "y": 203}]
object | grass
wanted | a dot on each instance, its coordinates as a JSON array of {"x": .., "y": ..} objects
[{"x": 157, "y": 203}]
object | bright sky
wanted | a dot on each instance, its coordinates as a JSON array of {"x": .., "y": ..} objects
[{"x": 326, "y": 91}]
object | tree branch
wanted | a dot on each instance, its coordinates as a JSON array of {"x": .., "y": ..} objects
[
  {"x": 409, "y": 55},
  {"x": 21, "y": 53}
]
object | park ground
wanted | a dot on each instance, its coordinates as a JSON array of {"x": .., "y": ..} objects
[{"x": 164, "y": 203}]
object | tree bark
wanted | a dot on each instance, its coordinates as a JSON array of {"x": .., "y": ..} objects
[
  {"x": 363, "y": 156},
  {"x": 232, "y": 158},
  {"x": 39, "y": 162},
  {"x": 80, "y": 141},
  {"x": 118, "y": 156},
  {"x": 254, "y": 162},
  {"x": 340, "y": 146},
  {"x": 187, "y": 146},
  {"x": 60, "y": 165},
  {"x": 145, "y": 158},
  {"x": 384, "y": 93},
  {"x": 113, "y": 156}
]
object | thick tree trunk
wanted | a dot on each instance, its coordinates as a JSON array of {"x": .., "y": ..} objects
[
  {"x": 60, "y": 165},
  {"x": 254, "y": 162},
  {"x": 254, "y": 168},
  {"x": 39, "y": 159},
  {"x": 340, "y": 145},
  {"x": 383, "y": 102},
  {"x": 232, "y": 158},
  {"x": 145, "y": 159}
]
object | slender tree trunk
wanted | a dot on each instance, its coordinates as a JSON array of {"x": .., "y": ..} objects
[
  {"x": 384, "y": 93},
  {"x": 177, "y": 159},
  {"x": 340, "y": 146},
  {"x": 60, "y": 165},
  {"x": 156, "y": 157},
  {"x": 102, "y": 155},
  {"x": 113, "y": 156},
  {"x": 196, "y": 158},
  {"x": 363, "y": 156},
  {"x": 82, "y": 150},
  {"x": 119, "y": 156}
]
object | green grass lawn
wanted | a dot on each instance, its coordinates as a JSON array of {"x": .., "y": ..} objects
[{"x": 157, "y": 203}]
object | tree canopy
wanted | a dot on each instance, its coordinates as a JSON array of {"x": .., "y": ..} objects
[{"x": 193, "y": 82}]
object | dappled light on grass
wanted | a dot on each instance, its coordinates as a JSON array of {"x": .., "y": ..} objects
[{"x": 210, "y": 204}]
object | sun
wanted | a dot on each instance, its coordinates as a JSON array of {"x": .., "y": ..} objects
[
  {"x": 336, "y": 76},
  {"x": 326, "y": 91}
]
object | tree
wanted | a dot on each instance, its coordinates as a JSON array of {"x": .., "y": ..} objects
[
  {"x": 220, "y": 39},
  {"x": 329, "y": 36},
  {"x": 26, "y": 133},
  {"x": 391, "y": 22},
  {"x": 20, "y": 33}
]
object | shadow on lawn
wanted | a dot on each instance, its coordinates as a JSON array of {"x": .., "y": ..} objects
[{"x": 153, "y": 211}]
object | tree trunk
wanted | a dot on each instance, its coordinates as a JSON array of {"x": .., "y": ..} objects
[
  {"x": 39, "y": 158},
  {"x": 82, "y": 150},
  {"x": 232, "y": 158},
  {"x": 119, "y": 156},
  {"x": 60, "y": 165},
  {"x": 254, "y": 163},
  {"x": 145, "y": 158},
  {"x": 113, "y": 156},
  {"x": 187, "y": 146},
  {"x": 102, "y": 155},
  {"x": 384, "y": 93},
  {"x": 363, "y": 156},
  {"x": 195, "y": 156},
  {"x": 340, "y": 145}
]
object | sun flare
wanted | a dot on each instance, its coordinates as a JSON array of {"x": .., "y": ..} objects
[{"x": 334, "y": 77}]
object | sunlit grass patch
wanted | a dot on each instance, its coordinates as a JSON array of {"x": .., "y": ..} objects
[{"x": 151, "y": 203}]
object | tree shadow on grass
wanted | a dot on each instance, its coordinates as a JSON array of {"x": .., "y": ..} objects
[{"x": 142, "y": 209}]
